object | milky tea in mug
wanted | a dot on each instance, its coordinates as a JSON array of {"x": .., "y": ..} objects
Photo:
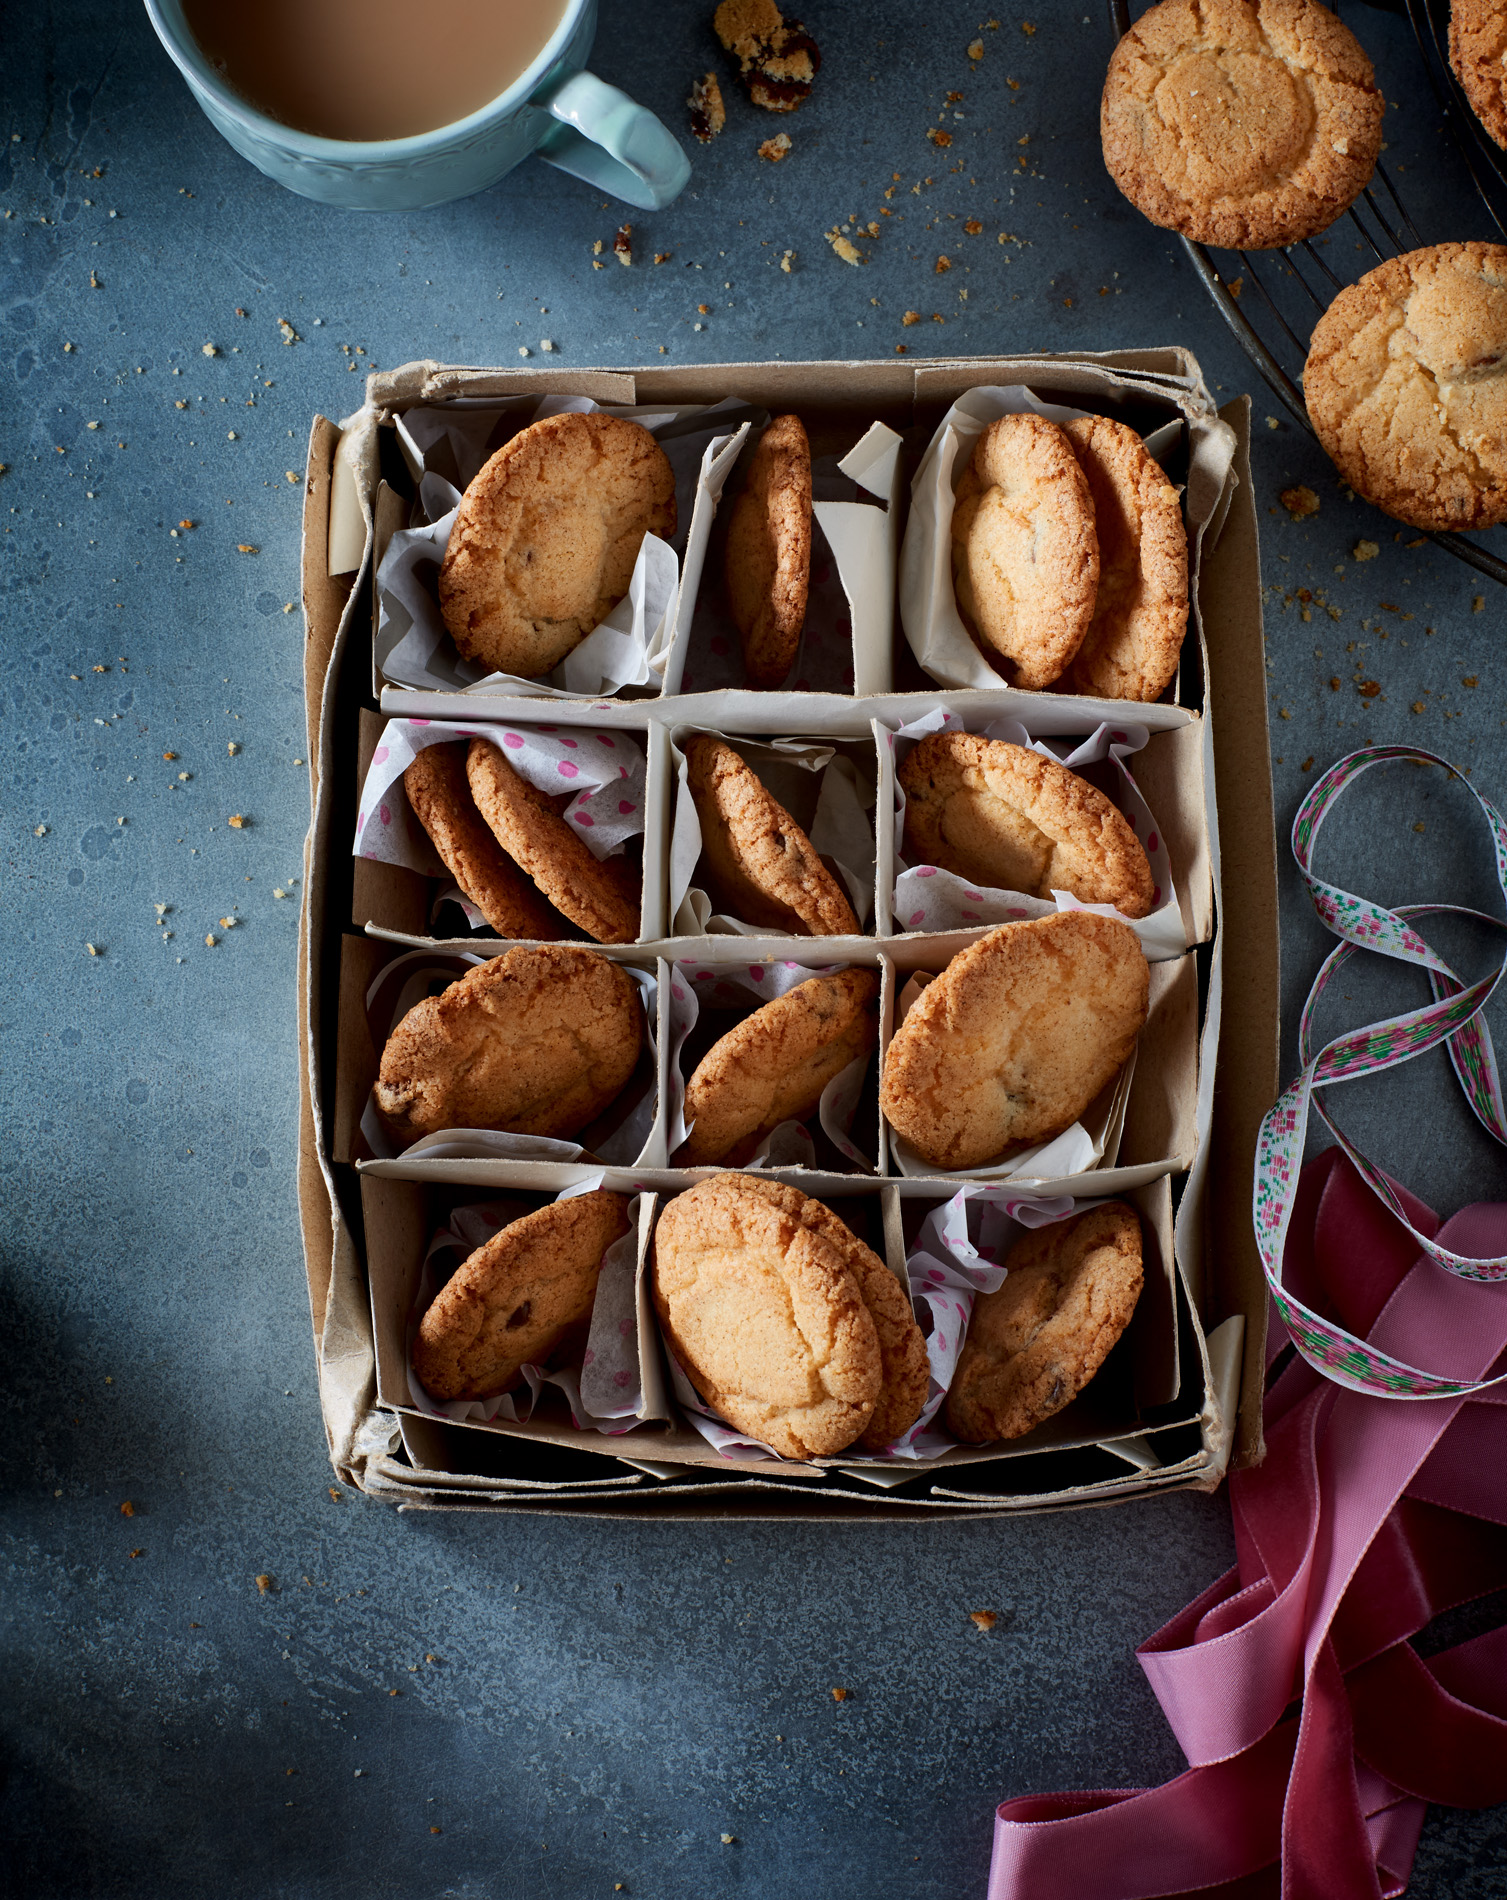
[{"x": 371, "y": 69}]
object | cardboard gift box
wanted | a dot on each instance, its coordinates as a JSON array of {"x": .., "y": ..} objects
[{"x": 1183, "y": 1397}]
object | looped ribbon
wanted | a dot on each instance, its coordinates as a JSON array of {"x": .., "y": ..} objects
[{"x": 1315, "y": 1730}]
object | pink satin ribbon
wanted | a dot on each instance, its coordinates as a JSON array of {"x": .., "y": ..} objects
[{"x": 1315, "y": 1732}]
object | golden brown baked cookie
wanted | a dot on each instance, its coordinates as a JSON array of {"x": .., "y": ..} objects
[
  {"x": 757, "y": 1293},
  {"x": 521, "y": 1297},
  {"x": 441, "y": 798},
  {"x": 759, "y": 863},
  {"x": 774, "y": 1065},
  {"x": 537, "y": 1041},
  {"x": 1242, "y": 123},
  {"x": 1016, "y": 1037},
  {"x": 1035, "y": 1342},
  {"x": 777, "y": 58},
  {"x": 1002, "y": 815},
  {"x": 1141, "y": 609},
  {"x": 1406, "y": 384},
  {"x": 768, "y": 557},
  {"x": 1477, "y": 49},
  {"x": 544, "y": 542},
  {"x": 602, "y": 895},
  {"x": 1025, "y": 555}
]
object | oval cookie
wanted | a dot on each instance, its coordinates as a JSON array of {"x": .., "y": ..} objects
[
  {"x": 1034, "y": 1343},
  {"x": 538, "y": 1042},
  {"x": 1016, "y": 1037},
  {"x": 601, "y": 895},
  {"x": 761, "y": 1292},
  {"x": 759, "y": 863},
  {"x": 546, "y": 537},
  {"x": 1239, "y": 125},
  {"x": 441, "y": 799},
  {"x": 515, "y": 1300},
  {"x": 774, "y": 1065},
  {"x": 1404, "y": 385},
  {"x": 1141, "y": 609},
  {"x": 1478, "y": 53},
  {"x": 768, "y": 559},
  {"x": 1025, "y": 555},
  {"x": 1002, "y": 815}
]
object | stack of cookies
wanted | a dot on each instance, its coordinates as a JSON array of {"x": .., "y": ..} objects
[
  {"x": 1070, "y": 559},
  {"x": 508, "y": 847}
]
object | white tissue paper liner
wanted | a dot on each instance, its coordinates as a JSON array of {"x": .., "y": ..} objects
[
  {"x": 790, "y": 1144},
  {"x": 850, "y": 588},
  {"x": 841, "y": 832},
  {"x": 1092, "y": 1142},
  {"x": 958, "y": 1254},
  {"x": 927, "y": 898},
  {"x": 608, "y": 1385},
  {"x": 405, "y": 981},
  {"x": 608, "y": 809},
  {"x": 928, "y": 607},
  {"x": 445, "y": 447}
]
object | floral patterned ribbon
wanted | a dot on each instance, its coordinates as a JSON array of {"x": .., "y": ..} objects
[{"x": 1454, "y": 1018}]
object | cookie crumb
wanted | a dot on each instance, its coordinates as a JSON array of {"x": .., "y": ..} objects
[
  {"x": 1368, "y": 689},
  {"x": 289, "y": 334},
  {"x": 1478, "y": 605},
  {"x": 232, "y": 748},
  {"x": 943, "y": 264},
  {"x": 39, "y": 831},
  {"x": 211, "y": 349},
  {"x": 128, "y": 1509},
  {"x": 1365, "y": 551},
  {"x": 975, "y": 49},
  {"x": 910, "y": 317},
  {"x": 265, "y": 1585},
  {"x": 985, "y": 1619},
  {"x": 844, "y": 247},
  {"x": 708, "y": 112},
  {"x": 728, "y": 1839},
  {"x": 785, "y": 261},
  {"x": 622, "y": 245},
  {"x": 1419, "y": 825},
  {"x": 839, "y": 1695},
  {"x": 775, "y": 149},
  {"x": 94, "y": 949},
  {"x": 777, "y": 59},
  {"x": 1300, "y": 502},
  {"x": 236, "y": 821}
]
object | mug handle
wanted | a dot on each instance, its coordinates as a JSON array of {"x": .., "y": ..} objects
[{"x": 613, "y": 143}]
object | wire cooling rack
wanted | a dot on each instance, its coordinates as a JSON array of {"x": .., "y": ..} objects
[{"x": 1272, "y": 299}]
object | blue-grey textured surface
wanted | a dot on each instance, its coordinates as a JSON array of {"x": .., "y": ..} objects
[{"x": 427, "y": 1706}]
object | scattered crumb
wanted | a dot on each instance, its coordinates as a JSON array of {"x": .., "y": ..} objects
[
  {"x": 944, "y": 139},
  {"x": 973, "y": 226},
  {"x": 910, "y": 317},
  {"x": 775, "y": 149},
  {"x": 844, "y": 247},
  {"x": 1478, "y": 605},
  {"x": 1368, "y": 689},
  {"x": 1307, "y": 764},
  {"x": 839, "y": 1695},
  {"x": 236, "y": 821},
  {"x": 1272, "y": 423},
  {"x": 211, "y": 349},
  {"x": 128, "y": 1509},
  {"x": 1334, "y": 684},
  {"x": 94, "y": 950},
  {"x": 777, "y": 59},
  {"x": 245, "y": 547},
  {"x": 975, "y": 49},
  {"x": 943, "y": 264},
  {"x": 211, "y": 940},
  {"x": 728, "y": 1839},
  {"x": 1419, "y": 825},
  {"x": 289, "y": 334},
  {"x": 785, "y": 261},
  {"x": 708, "y": 112},
  {"x": 985, "y": 1619},
  {"x": 1365, "y": 551},
  {"x": 547, "y": 343},
  {"x": 622, "y": 245},
  {"x": 265, "y": 1585},
  {"x": 228, "y": 923},
  {"x": 232, "y": 748},
  {"x": 1417, "y": 705},
  {"x": 1300, "y": 502}
]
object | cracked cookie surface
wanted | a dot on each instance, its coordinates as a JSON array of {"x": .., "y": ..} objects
[
  {"x": 1406, "y": 385},
  {"x": 1035, "y": 1342},
  {"x": 537, "y": 1042},
  {"x": 545, "y": 539},
  {"x": 518, "y": 1298},
  {"x": 1477, "y": 51},
  {"x": 1239, "y": 124}
]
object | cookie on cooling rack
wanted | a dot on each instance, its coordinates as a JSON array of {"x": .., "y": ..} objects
[
  {"x": 1239, "y": 125},
  {"x": 1477, "y": 48},
  {"x": 1406, "y": 385}
]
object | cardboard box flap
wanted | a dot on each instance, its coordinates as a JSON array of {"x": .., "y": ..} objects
[{"x": 428, "y": 381}]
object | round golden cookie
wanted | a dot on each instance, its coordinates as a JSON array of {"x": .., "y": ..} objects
[
  {"x": 773, "y": 1066},
  {"x": 768, "y": 556},
  {"x": 1241, "y": 125},
  {"x": 1477, "y": 50},
  {"x": 760, "y": 865},
  {"x": 441, "y": 799},
  {"x": 1406, "y": 385},
  {"x": 537, "y": 1042},
  {"x": 763, "y": 1295},
  {"x": 518, "y": 1299},
  {"x": 1141, "y": 609},
  {"x": 602, "y": 895},
  {"x": 1034, "y": 1343},
  {"x": 1010, "y": 1044},
  {"x": 1002, "y": 815},
  {"x": 1025, "y": 556},
  {"x": 543, "y": 544}
]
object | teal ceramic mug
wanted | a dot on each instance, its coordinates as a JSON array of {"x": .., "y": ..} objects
[{"x": 556, "y": 108}]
